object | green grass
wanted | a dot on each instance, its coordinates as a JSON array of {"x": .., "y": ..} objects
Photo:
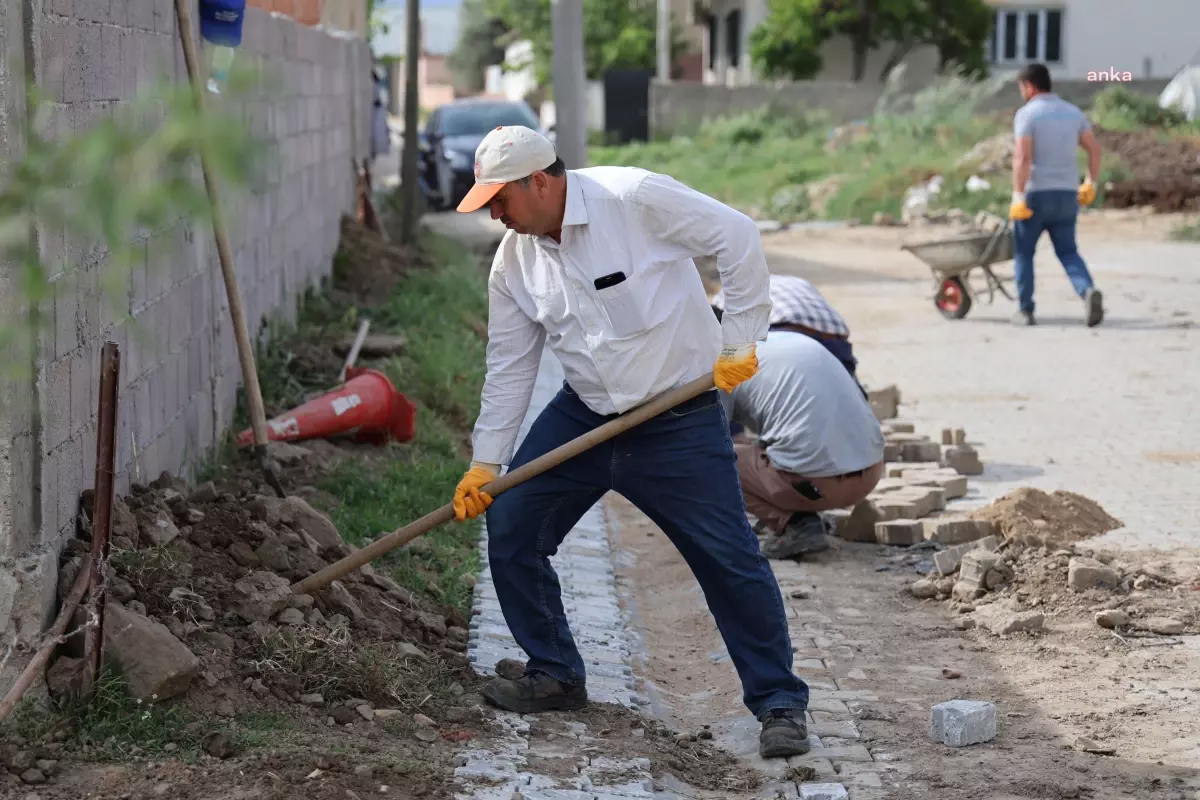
[
  {"x": 759, "y": 161},
  {"x": 441, "y": 370},
  {"x": 111, "y": 727},
  {"x": 1187, "y": 231}
]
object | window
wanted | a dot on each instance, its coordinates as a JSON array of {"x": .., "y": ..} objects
[
  {"x": 733, "y": 36},
  {"x": 1026, "y": 35},
  {"x": 713, "y": 22}
]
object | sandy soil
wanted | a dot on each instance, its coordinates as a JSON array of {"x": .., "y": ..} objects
[{"x": 1136, "y": 696}]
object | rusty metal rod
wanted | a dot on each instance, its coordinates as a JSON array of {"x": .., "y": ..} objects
[
  {"x": 106, "y": 438},
  {"x": 558, "y": 455},
  {"x": 38, "y": 663}
]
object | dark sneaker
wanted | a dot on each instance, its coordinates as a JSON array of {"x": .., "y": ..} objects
[
  {"x": 1023, "y": 319},
  {"x": 784, "y": 733},
  {"x": 533, "y": 693},
  {"x": 1093, "y": 301},
  {"x": 805, "y": 533}
]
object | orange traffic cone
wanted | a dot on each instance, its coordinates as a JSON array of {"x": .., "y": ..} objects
[{"x": 366, "y": 405}]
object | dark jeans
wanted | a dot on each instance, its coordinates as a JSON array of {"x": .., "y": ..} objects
[
  {"x": 1054, "y": 212},
  {"x": 680, "y": 470}
]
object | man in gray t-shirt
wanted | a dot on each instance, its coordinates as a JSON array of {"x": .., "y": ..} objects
[
  {"x": 819, "y": 444},
  {"x": 1048, "y": 130}
]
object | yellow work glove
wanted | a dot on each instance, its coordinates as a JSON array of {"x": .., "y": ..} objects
[
  {"x": 737, "y": 363},
  {"x": 1087, "y": 193},
  {"x": 469, "y": 502},
  {"x": 1018, "y": 210}
]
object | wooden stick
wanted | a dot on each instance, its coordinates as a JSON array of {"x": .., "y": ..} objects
[
  {"x": 352, "y": 356},
  {"x": 558, "y": 455},
  {"x": 254, "y": 401},
  {"x": 38, "y": 663}
]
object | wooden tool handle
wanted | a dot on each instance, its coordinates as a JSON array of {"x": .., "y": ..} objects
[
  {"x": 241, "y": 333},
  {"x": 558, "y": 455}
]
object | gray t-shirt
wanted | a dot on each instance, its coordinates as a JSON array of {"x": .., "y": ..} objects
[
  {"x": 808, "y": 412},
  {"x": 1055, "y": 126}
]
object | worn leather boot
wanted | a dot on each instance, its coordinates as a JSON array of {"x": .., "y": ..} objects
[
  {"x": 784, "y": 733},
  {"x": 533, "y": 693}
]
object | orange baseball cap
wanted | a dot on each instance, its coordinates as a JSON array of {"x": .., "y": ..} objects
[{"x": 507, "y": 154}]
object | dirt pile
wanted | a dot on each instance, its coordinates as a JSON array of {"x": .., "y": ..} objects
[
  {"x": 210, "y": 569},
  {"x": 1036, "y": 518},
  {"x": 366, "y": 266},
  {"x": 1037, "y": 567},
  {"x": 1165, "y": 172}
]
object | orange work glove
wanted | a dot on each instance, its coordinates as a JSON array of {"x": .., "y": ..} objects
[
  {"x": 737, "y": 363},
  {"x": 1087, "y": 193},
  {"x": 469, "y": 502},
  {"x": 1018, "y": 210}
]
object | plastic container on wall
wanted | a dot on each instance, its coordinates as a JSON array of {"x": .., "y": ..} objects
[{"x": 221, "y": 21}]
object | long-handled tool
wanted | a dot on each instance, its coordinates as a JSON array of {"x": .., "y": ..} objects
[
  {"x": 558, "y": 455},
  {"x": 254, "y": 401}
]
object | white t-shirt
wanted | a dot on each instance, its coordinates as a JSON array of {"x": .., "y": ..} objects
[{"x": 807, "y": 410}]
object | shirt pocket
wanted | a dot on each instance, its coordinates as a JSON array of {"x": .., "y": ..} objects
[{"x": 623, "y": 306}]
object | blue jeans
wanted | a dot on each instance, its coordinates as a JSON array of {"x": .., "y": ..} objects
[
  {"x": 1053, "y": 212},
  {"x": 680, "y": 470}
]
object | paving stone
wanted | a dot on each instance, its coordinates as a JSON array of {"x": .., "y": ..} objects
[
  {"x": 859, "y": 526},
  {"x": 823, "y": 791},
  {"x": 963, "y": 459},
  {"x": 957, "y": 530},
  {"x": 899, "y": 532},
  {"x": 959, "y": 723},
  {"x": 921, "y": 451},
  {"x": 856, "y": 752}
]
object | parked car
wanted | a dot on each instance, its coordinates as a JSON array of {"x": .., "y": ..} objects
[{"x": 452, "y": 133}]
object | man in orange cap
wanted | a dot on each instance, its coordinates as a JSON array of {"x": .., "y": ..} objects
[{"x": 598, "y": 264}]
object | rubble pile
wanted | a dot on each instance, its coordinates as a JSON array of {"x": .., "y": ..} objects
[
  {"x": 200, "y": 604},
  {"x": 921, "y": 476},
  {"x": 1009, "y": 581}
]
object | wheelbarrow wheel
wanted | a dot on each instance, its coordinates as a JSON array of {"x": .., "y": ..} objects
[{"x": 952, "y": 299}]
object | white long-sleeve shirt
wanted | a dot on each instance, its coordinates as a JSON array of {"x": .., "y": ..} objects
[{"x": 624, "y": 345}]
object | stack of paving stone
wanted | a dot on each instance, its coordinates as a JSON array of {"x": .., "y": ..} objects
[{"x": 909, "y": 504}]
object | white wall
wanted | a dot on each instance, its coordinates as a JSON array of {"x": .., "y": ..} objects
[{"x": 1123, "y": 35}]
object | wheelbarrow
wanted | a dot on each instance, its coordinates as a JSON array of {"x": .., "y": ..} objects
[{"x": 952, "y": 260}]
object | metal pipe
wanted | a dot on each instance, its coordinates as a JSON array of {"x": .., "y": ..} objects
[{"x": 106, "y": 437}]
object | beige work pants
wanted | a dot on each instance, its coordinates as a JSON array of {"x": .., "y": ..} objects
[{"x": 771, "y": 497}]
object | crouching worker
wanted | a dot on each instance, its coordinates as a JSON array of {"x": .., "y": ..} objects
[{"x": 819, "y": 445}]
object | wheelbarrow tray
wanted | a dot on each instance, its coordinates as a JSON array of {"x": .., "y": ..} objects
[{"x": 960, "y": 254}]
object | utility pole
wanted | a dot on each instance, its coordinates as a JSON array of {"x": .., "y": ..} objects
[
  {"x": 408, "y": 164},
  {"x": 662, "y": 40},
  {"x": 570, "y": 86}
]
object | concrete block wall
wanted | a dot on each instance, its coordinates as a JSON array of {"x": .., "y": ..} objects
[
  {"x": 179, "y": 372},
  {"x": 680, "y": 108}
]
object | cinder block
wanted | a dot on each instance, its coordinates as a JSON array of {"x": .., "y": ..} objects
[
  {"x": 56, "y": 419},
  {"x": 956, "y": 530},
  {"x": 898, "y": 532},
  {"x": 91, "y": 57},
  {"x": 85, "y": 393},
  {"x": 959, "y": 723},
  {"x": 140, "y": 15}
]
